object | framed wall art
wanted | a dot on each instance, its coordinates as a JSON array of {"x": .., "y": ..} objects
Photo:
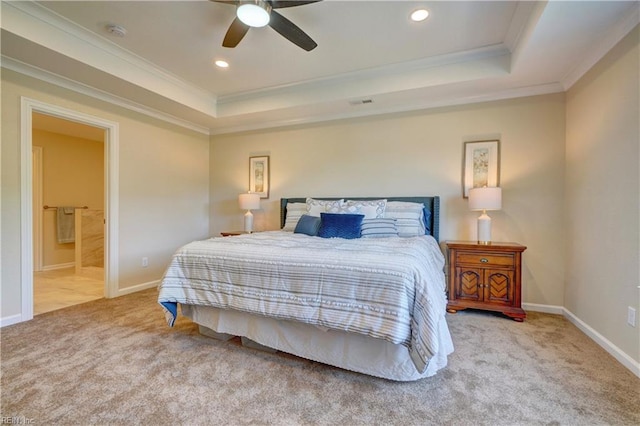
[
  {"x": 481, "y": 166},
  {"x": 259, "y": 176}
]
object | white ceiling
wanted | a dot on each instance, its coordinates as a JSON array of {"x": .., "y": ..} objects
[{"x": 466, "y": 51}]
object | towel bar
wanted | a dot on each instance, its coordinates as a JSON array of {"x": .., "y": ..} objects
[{"x": 55, "y": 207}]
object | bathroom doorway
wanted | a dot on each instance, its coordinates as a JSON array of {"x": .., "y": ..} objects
[
  {"x": 28, "y": 106},
  {"x": 68, "y": 212}
]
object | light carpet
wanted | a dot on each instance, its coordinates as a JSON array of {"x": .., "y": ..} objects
[{"x": 116, "y": 362}]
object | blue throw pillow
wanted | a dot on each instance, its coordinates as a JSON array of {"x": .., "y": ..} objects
[
  {"x": 334, "y": 225},
  {"x": 307, "y": 225}
]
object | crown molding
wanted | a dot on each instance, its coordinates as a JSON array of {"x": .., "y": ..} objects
[
  {"x": 525, "y": 19},
  {"x": 382, "y": 71},
  {"x": 39, "y": 25},
  {"x": 519, "y": 92},
  {"x": 599, "y": 50},
  {"x": 57, "y": 80},
  {"x": 485, "y": 62}
]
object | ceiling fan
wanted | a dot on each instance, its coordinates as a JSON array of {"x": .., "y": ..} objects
[{"x": 258, "y": 13}]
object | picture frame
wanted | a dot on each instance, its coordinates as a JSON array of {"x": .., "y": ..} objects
[
  {"x": 259, "y": 175},
  {"x": 481, "y": 165}
]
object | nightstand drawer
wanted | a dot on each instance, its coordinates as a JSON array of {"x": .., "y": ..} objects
[{"x": 485, "y": 259}]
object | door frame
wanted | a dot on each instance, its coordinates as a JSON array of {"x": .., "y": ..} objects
[
  {"x": 36, "y": 155},
  {"x": 111, "y": 145}
]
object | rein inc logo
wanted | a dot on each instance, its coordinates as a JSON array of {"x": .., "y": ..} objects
[{"x": 16, "y": 420}]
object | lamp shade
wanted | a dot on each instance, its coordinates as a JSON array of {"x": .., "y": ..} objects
[
  {"x": 485, "y": 198},
  {"x": 249, "y": 201}
]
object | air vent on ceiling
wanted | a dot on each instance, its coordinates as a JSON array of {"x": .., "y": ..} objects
[
  {"x": 361, "y": 102},
  {"x": 116, "y": 30}
]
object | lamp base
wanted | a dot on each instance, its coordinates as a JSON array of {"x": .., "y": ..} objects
[
  {"x": 484, "y": 229},
  {"x": 248, "y": 222}
]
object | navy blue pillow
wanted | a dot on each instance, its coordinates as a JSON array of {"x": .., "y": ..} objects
[
  {"x": 335, "y": 225},
  {"x": 427, "y": 220},
  {"x": 307, "y": 225}
]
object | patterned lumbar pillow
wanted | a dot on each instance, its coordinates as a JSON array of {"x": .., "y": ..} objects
[
  {"x": 315, "y": 207},
  {"x": 369, "y": 208}
]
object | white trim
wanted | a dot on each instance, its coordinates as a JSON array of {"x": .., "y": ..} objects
[
  {"x": 120, "y": 292},
  {"x": 57, "y": 80},
  {"x": 37, "y": 208},
  {"x": 518, "y": 92},
  {"x": 14, "y": 319},
  {"x": 301, "y": 89},
  {"x": 547, "y": 309},
  {"x": 111, "y": 200},
  {"x": 138, "y": 287},
  {"x": 28, "y": 106},
  {"x": 34, "y": 22},
  {"x": 26, "y": 209},
  {"x": 612, "y": 349},
  {"x": 616, "y": 352},
  {"x": 600, "y": 49},
  {"x": 59, "y": 266}
]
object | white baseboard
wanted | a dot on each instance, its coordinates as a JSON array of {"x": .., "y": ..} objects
[
  {"x": 14, "y": 319},
  {"x": 138, "y": 287},
  {"x": 547, "y": 309},
  {"x": 59, "y": 266},
  {"x": 613, "y": 350}
]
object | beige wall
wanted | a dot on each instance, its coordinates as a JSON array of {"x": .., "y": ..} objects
[
  {"x": 603, "y": 196},
  {"x": 72, "y": 175},
  {"x": 163, "y": 185},
  {"x": 418, "y": 154}
]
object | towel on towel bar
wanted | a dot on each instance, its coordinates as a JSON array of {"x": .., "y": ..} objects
[{"x": 66, "y": 225}]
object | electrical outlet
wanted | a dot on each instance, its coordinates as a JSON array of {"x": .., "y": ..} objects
[
  {"x": 145, "y": 262},
  {"x": 631, "y": 317}
]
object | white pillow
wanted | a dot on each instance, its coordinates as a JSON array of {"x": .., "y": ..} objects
[
  {"x": 294, "y": 212},
  {"x": 371, "y": 209},
  {"x": 315, "y": 207},
  {"x": 409, "y": 217}
]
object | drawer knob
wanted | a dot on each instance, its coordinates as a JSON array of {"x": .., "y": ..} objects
[{"x": 484, "y": 260}]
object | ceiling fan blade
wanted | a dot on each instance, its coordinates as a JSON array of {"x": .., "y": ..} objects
[
  {"x": 291, "y": 31},
  {"x": 237, "y": 30},
  {"x": 225, "y": 1},
  {"x": 279, "y": 4}
]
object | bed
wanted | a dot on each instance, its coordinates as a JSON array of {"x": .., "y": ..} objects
[{"x": 373, "y": 303}]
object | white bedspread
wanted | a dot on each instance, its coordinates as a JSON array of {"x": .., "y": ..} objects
[{"x": 387, "y": 288}]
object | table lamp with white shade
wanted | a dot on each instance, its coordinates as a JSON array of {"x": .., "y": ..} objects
[
  {"x": 248, "y": 202},
  {"x": 485, "y": 198}
]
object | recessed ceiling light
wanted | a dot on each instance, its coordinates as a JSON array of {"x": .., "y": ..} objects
[
  {"x": 222, "y": 64},
  {"x": 419, "y": 15}
]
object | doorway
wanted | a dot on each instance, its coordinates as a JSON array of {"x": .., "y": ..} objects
[
  {"x": 68, "y": 190},
  {"x": 110, "y": 131}
]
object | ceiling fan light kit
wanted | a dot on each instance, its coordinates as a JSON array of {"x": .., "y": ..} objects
[
  {"x": 254, "y": 13},
  {"x": 258, "y": 13}
]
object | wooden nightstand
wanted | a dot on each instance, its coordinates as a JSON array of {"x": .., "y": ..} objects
[
  {"x": 485, "y": 277},
  {"x": 233, "y": 233}
]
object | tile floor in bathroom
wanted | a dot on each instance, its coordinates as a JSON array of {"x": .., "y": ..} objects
[{"x": 60, "y": 288}]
